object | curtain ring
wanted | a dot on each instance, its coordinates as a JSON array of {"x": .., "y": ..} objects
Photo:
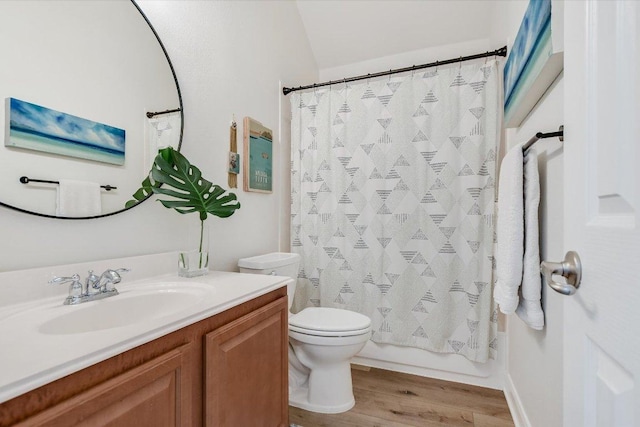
[
  {"x": 437, "y": 66},
  {"x": 368, "y": 78},
  {"x": 460, "y": 64},
  {"x": 389, "y": 74},
  {"x": 413, "y": 70},
  {"x": 486, "y": 57}
]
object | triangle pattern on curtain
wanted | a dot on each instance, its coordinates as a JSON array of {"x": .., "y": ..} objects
[{"x": 392, "y": 205}]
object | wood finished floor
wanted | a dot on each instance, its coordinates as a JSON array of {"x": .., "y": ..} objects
[{"x": 386, "y": 398}]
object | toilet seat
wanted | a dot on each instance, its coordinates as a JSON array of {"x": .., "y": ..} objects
[
  {"x": 325, "y": 321},
  {"x": 328, "y": 341},
  {"x": 329, "y": 334}
]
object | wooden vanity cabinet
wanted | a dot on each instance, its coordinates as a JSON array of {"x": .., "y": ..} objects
[
  {"x": 154, "y": 393},
  {"x": 244, "y": 365},
  {"x": 227, "y": 370}
]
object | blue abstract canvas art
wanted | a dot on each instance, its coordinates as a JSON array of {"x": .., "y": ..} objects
[
  {"x": 38, "y": 128},
  {"x": 531, "y": 50}
]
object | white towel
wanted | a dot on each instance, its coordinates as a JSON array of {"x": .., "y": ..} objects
[
  {"x": 162, "y": 131},
  {"x": 78, "y": 198},
  {"x": 510, "y": 231},
  {"x": 529, "y": 308}
]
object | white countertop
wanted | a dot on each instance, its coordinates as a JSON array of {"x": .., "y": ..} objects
[{"x": 31, "y": 357}]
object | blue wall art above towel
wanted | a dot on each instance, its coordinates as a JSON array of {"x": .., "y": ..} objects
[
  {"x": 534, "y": 62},
  {"x": 33, "y": 127}
]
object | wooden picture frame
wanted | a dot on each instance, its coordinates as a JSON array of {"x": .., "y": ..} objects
[{"x": 258, "y": 155}]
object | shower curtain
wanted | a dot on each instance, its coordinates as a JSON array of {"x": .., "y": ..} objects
[{"x": 393, "y": 197}]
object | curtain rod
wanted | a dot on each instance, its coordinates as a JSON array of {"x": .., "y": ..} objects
[
  {"x": 498, "y": 52},
  {"x": 152, "y": 114}
]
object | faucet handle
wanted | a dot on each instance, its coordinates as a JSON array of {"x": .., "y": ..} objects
[
  {"x": 58, "y": 280},
  {"x": 92, "y": 281},
  {"x": 75, "y": 289}
]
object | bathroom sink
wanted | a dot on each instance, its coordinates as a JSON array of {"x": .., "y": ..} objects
[
  {"x": 63, "y": 339},
  {"x": 132, "y": 305}
]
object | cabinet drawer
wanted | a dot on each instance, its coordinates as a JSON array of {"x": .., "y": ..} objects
[{"x": 155, "y": 393}]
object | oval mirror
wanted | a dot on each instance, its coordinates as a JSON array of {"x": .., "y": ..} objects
[{"x": 78, "y": 80}]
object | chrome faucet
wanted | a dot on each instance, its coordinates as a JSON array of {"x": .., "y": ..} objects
[{"x": 93, "y": 288}]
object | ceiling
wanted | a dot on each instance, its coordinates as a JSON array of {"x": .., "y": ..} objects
[{"x": 342, "y": 32}]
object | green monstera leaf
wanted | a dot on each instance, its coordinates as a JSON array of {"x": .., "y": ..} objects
[
  {"x": 146, "y": 188},
  {"x": 143, "y": 192},
  {"x": 173, "y": 175}
]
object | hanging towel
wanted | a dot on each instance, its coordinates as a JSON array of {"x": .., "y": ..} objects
[
  {"x": 529, "y": 308},
  {"x": 510, "y": 231},
  {"x": 162, "y": 131},
  {"x": 78, "y": 198}
]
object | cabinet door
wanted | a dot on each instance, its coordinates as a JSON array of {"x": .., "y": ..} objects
[
  {"x": 153, "y": 394},
  {"x": 246, "y": 370}
]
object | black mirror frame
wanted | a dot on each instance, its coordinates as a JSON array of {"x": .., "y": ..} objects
[{"x": 175, "y": 79}]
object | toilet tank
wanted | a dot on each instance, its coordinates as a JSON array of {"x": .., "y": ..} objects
[{"x": 276, "y": 264}]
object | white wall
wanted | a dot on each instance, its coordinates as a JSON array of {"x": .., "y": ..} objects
[
  {"x": 344, "y": 32},
  {"x": 407, "y": 59},
  {"x": 533, "y": 383},
  {"x": 229, "y": 58}
]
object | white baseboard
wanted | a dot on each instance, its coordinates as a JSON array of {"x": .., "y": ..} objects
[
  {"x": 448, "y": 367},
  {"x": 518, "y": 414}
]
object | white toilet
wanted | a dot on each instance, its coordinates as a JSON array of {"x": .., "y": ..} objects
[{"x": 322, "y": 342}]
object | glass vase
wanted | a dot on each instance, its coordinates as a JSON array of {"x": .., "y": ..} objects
[{"x": 194, "y": 262}]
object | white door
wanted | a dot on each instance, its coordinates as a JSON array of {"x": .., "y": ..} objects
[{"x": 602, "y": 212}]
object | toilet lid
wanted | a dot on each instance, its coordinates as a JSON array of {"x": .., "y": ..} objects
[{"x": 327, "y": 319}]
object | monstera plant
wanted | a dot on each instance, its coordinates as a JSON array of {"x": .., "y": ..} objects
[{"x": 174, "y": 176}]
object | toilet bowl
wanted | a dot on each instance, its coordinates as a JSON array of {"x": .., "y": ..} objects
[{"x": 322, "y": 341}]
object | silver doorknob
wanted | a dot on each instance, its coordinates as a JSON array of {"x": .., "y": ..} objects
[{"x": 570, "y": 269}]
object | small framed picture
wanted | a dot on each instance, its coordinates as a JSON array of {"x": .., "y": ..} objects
[
  {"x": 234, "y": 163},
  {"x": 258, "y": 154}
]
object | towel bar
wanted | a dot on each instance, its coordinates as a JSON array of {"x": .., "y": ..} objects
[
  {"x": 540, "y": 135},
  {"x": 26, "y": 180}
]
